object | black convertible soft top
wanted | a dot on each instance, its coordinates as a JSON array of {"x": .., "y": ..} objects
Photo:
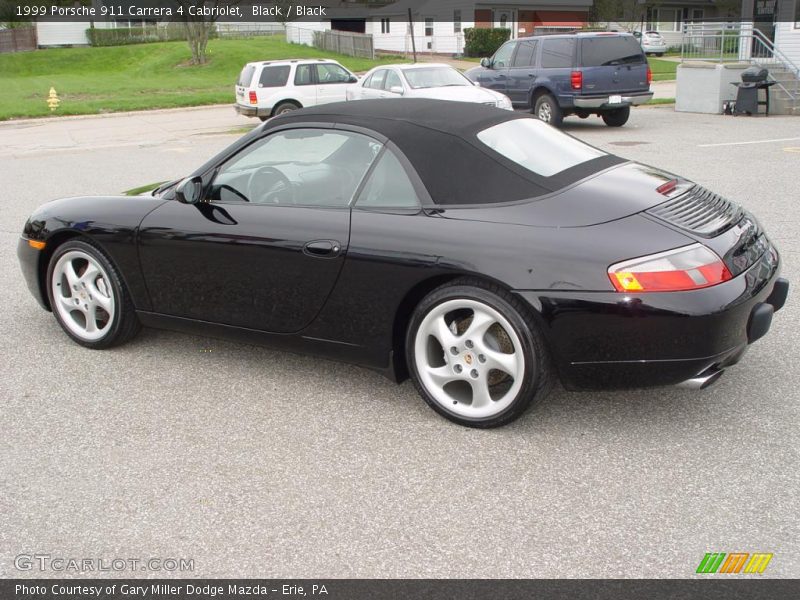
[{"x": 439, "y": 139}]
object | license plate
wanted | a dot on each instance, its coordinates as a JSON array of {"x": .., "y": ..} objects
[{"x": 615, "y": 99}]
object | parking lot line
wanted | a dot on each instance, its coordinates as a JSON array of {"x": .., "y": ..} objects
[{"x": 748, "y": 142}]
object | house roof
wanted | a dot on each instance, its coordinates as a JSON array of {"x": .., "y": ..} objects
[{"x": 433, "y": 7}]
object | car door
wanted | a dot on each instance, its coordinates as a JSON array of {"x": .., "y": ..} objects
[
  {"x": 332, "y": 82},
  {"x": 373, "y": 88},
  {"x": 393, "y": 86},
  {"x": 522, "y": 73},
  {"x": 263, "y": 250},
  {"x": 305, "y": 85},
  {"x": 495, "y": 77}
]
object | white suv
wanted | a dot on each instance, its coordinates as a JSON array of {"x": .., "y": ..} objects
[{"x": 266, "y": 89}]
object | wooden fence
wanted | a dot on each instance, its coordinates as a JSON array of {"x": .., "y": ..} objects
[
  {"x": 17, "y": 39},
  {"x": 345, "y": 42}
]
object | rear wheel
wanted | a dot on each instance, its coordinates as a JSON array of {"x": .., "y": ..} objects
[
  {"x": 88, "y": 297},
  {"x": 284, "y": 107},
  {"x": 547, "y": 109},
  {"x": 617, "y": 117},
  {"x": 475, "y": 355}
]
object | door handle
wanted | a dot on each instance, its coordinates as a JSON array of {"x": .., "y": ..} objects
[{"x": 322, "y": 248}]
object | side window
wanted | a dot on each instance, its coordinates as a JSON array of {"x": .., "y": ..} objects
[
  {"x": 327, "y": 73},
  {"x": 388, "y": 186},
  {"x": 307, "y": 167},
  {"x": 274, "y": 76},
  {"x": 392, "y": 80},
  {"x": 558, "y": 53},
  {"x": 303, "y": 75},
  {"x": 526, "y": 54},
  {"x": 502, "y": 58},
  {"x": 376, "y": 81}
]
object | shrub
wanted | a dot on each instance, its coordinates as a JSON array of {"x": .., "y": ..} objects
[
  {"x": 122, "y": 36},
  {"x": 484, "y": 42}
]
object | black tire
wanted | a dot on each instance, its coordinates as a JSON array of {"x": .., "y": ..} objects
[
  {"x": 262, "y": 119},
  {"x": 617, "y": 117},
  {"x": 124, "y": 324},
  {"x": 659, "y": 54},
  {"x": 546, "y": 109},
  {"x": 284, "y": 107},
  {"x": 538, "y": 372}
]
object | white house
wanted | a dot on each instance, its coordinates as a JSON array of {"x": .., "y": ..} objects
[
  {"x": 439, "y": 24},
  {"x": 787, "y": 30}
]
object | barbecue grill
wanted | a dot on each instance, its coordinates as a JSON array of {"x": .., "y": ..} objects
[{"x": 753, "y": 80}]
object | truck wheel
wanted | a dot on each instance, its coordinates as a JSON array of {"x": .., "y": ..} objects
[
  {"x": 617, "y": 117},
  {"x": 547, "y": 109},
  {"x": 284, "y": 107}
]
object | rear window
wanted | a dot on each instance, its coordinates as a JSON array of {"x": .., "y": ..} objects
[
  {"x": 246, "y": 76},
  {"x": 274, "y": 76},
  {"x": 602, "y": 51},
  {"x": 524, "y": 141}
]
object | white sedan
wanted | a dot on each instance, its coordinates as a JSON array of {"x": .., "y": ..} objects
[{"x": 426, "y": 80}]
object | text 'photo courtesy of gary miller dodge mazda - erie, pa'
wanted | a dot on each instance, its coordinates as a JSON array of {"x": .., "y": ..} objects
[{"x": 479, "y": 251}]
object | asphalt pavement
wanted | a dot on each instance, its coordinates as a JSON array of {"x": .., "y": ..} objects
[{"x": 259, "y": 463}]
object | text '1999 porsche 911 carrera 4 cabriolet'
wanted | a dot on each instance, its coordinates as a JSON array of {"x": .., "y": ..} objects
[{"x": 481, "y": 252}]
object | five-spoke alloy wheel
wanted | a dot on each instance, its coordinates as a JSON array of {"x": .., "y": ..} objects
[
  {"x": 474, "y": 356},
  {"x": 88, "y": 297}
]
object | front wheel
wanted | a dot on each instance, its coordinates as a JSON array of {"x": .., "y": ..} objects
[
  {"x": 547, "y": 109},
  {"x": 88, "y": 297},
  {"x": 475, "y": 355},
  {"x": 617, "y": 117}
]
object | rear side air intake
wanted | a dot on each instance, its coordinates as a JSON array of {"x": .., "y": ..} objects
[{"x": 700, "y": 211}]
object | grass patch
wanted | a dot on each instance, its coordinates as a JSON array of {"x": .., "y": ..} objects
[
  {"x": 660, "y": 101},
  {"x": 663, "y": 70},
  {"x": 141, "y": 76},
  {"x": 142, "y": 189}
]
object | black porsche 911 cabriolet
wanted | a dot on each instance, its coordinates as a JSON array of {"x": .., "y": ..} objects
[{"x": 479, "y": 251}]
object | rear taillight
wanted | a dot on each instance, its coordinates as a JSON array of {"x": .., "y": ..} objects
[
  {"x": 649, "y": 75},
  {"x": 253, "y": 98},
  {"x": 688, "y": 268},
  {"x": 576, "y": 79}
]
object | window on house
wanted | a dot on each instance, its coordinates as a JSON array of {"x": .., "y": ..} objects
[
  {"x": 456, "y": 21},
  {"x": 428, "y": 26},
  {"x": 385, "y": 26},
  {"x": 665, "y": 19},
  {"x": 698, "y": 14}
]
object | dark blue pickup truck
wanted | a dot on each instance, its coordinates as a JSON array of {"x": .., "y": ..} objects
[{"x": 556, "y": 75}]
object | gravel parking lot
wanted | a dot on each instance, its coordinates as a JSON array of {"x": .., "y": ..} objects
[{"x": 258, "y": 463}]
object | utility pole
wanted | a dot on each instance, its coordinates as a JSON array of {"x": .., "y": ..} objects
[{"x": 411, "y": 27}]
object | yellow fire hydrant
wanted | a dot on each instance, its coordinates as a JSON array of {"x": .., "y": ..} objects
[{"x": 52, "y": 99}]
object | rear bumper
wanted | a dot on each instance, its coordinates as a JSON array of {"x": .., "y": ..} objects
[
  {"x": 251, "y": 111},
  {"x": 603, "y": 101},
  {"x": 607, "y": 340}
]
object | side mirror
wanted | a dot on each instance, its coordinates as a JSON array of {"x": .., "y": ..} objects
[
  {"x": 190, "y": 190},
  {"x": 476, "y": 83},
  {"x": 486, "y": 63},
  {"x": 396, "y": 89},
  {"x": 352, "y": 79}
]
